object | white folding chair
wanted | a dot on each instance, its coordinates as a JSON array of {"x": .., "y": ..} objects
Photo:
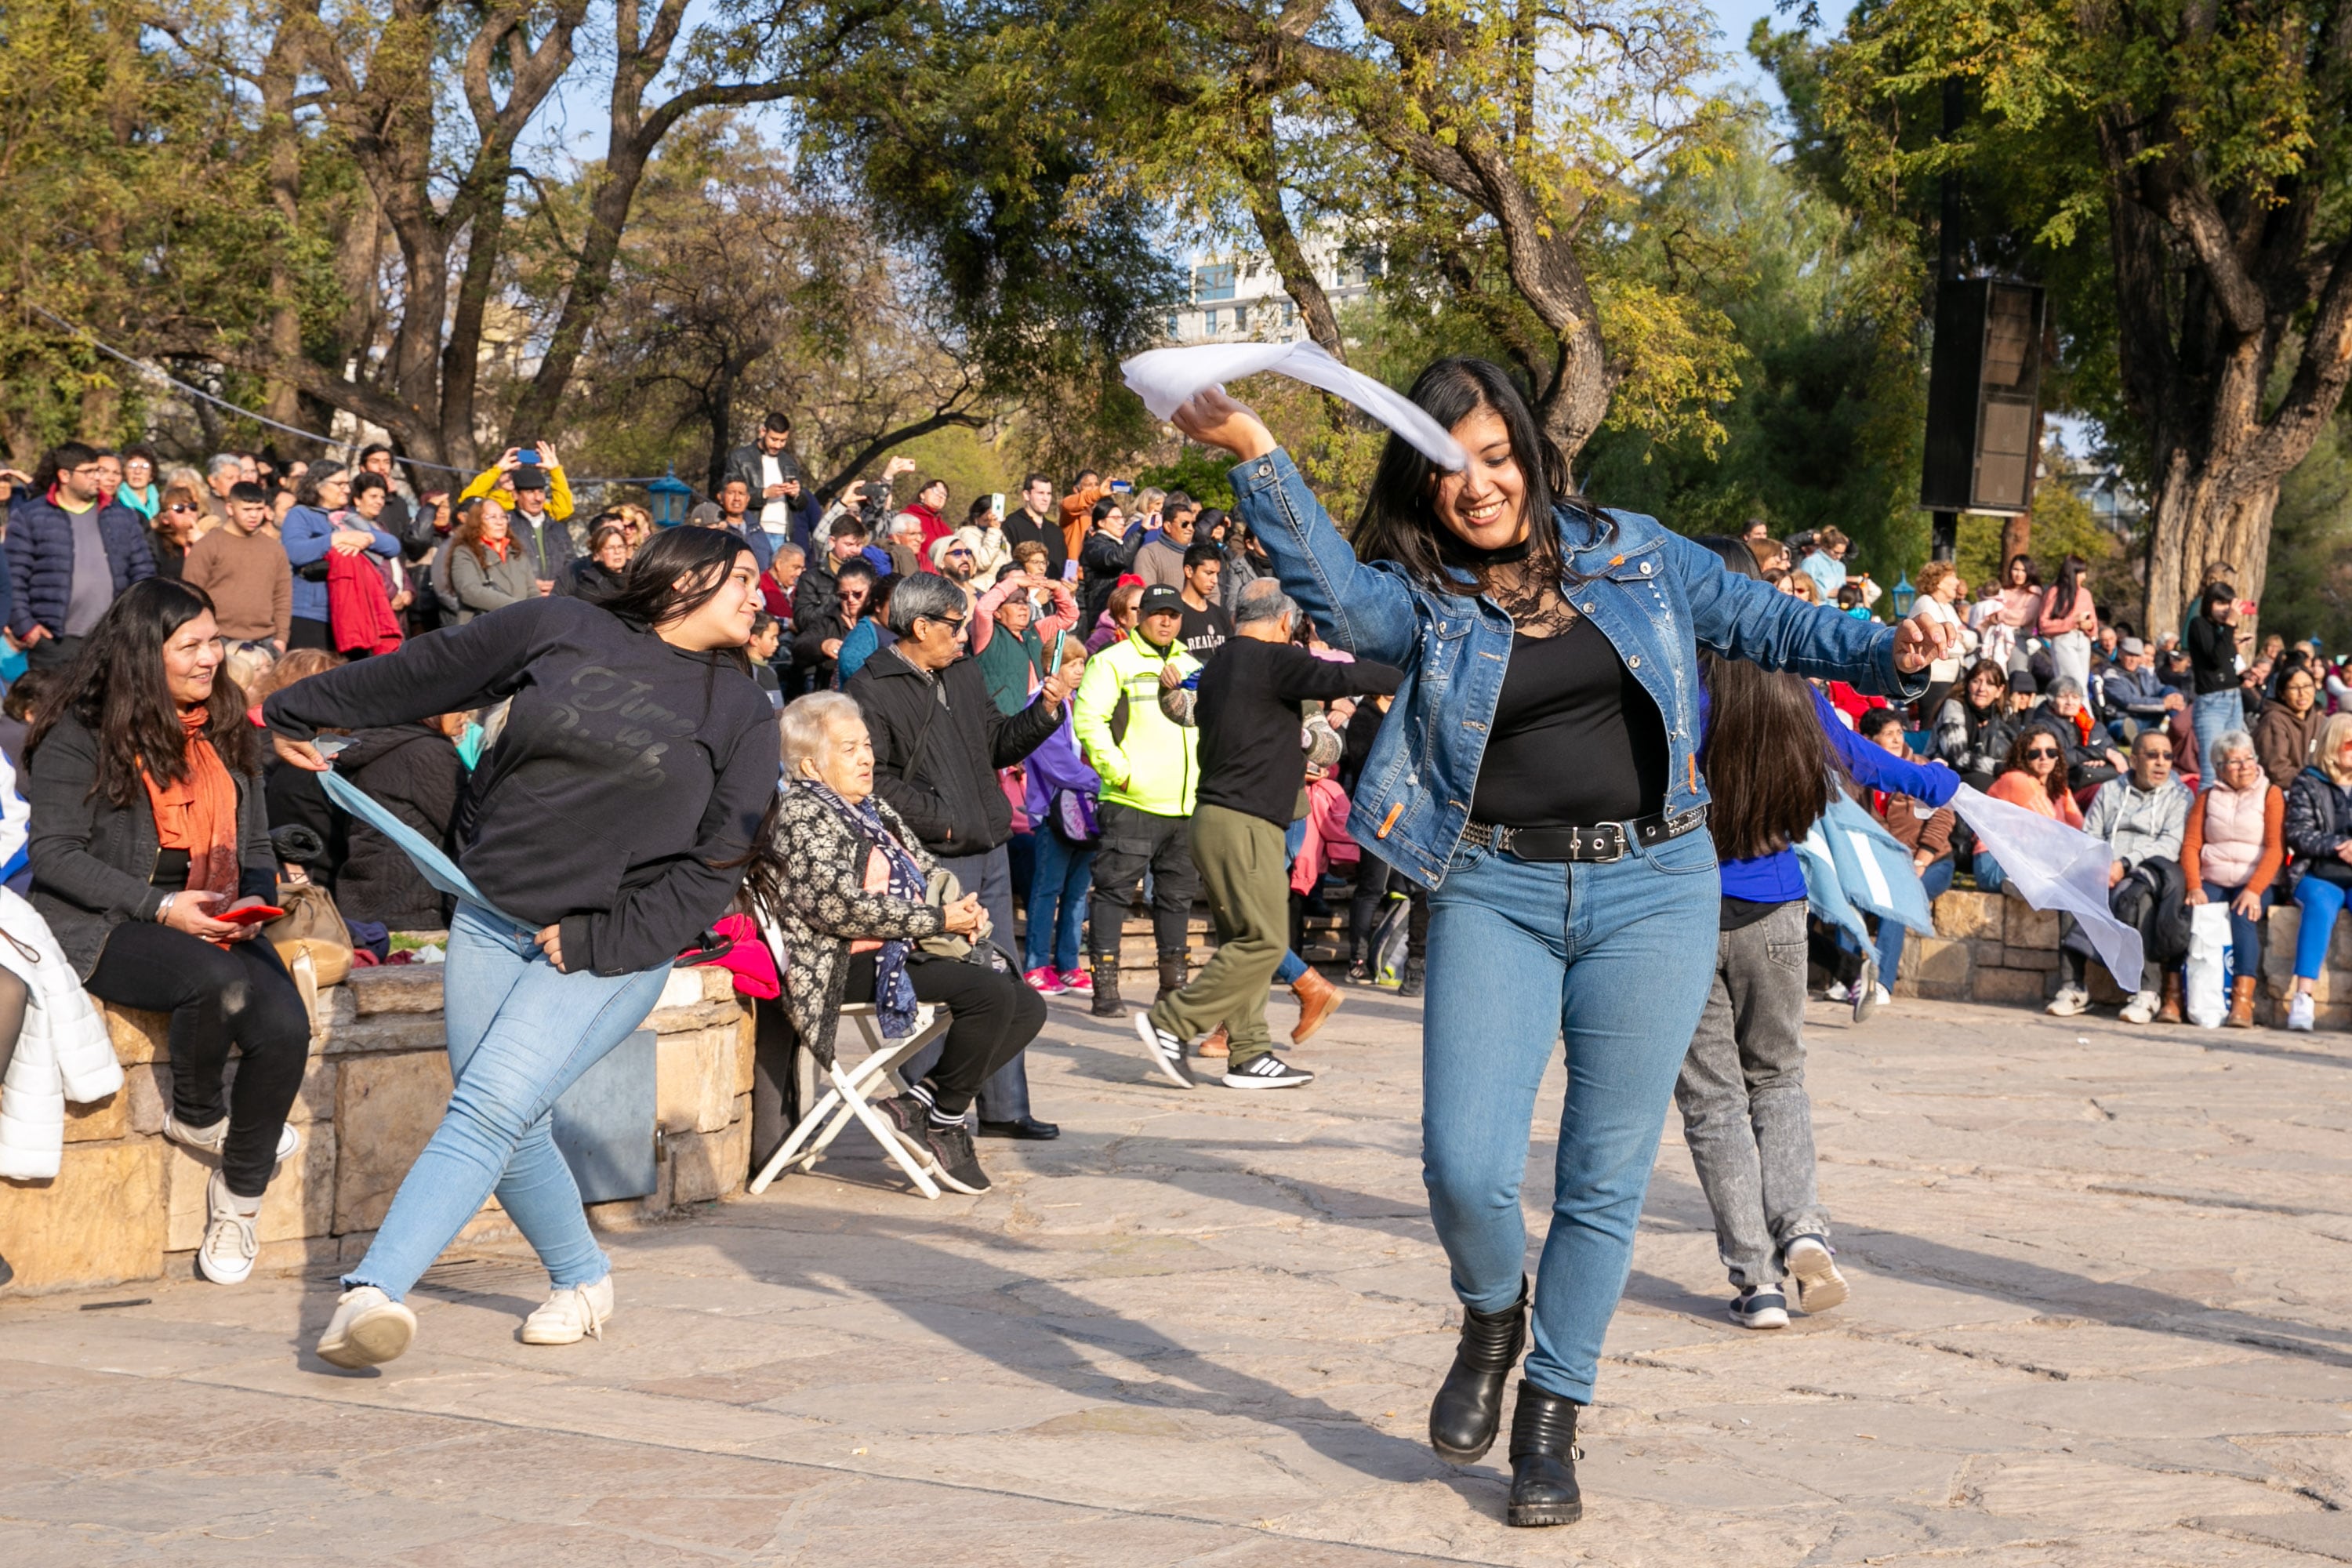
[{"x": 846, "y": 1100}]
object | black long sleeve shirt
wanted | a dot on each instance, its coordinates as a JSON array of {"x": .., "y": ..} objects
[
  {"x": 629, "y": 770},
  {"x": 1249, "y": 717}
]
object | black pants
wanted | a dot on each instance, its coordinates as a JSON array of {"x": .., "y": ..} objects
[
  {"x": 775, "y": 1091},
  {"x": 1131, "y": 841},
  {"x": 303, "y": 632},
  {"x": 240, "y": 997},
  {"x": 1375, "y": 880},
  {"x": 994, "y": 1018}
]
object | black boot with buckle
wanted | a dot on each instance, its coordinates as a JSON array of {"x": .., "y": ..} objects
[
  {"x": 1105, "y": 1003},
  {"x": 1172, "y": 973},
  {"x": 1469, "y": 1403},
  {"x": 1543, "y": 1460}
]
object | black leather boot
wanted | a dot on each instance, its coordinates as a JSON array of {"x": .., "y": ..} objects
[
  {"x": 1106, "y": 997},
  {"x": 1171, "y": 974},
  {"x": 1414, "y": 980},
  {"x": 1469, "y": 1403},
  {"x": 1543, "y": 1460}
]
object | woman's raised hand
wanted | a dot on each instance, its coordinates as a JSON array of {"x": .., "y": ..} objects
[
  {"x": 1214, "y": 419},
  {"x": 1920, "y": 642}
]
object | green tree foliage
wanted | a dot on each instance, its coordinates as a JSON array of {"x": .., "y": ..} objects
[
  {"x": 2179, "y": 175},
  {"x": 1823, "y": 428}
]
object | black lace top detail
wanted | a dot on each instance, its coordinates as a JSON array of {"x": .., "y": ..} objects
[{"x": 1514, "y": 578}]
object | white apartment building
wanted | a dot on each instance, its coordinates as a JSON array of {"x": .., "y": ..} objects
[{"x": 1239, "y": 297}]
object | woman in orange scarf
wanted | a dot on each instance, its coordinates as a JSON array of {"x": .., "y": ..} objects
[{"x": 148, "y": 827}]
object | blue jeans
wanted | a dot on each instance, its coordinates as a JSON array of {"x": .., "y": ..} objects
[
  {"x": 1937, "y": 881},
  {"x": 2245, "y": 935},
  {"x": 1618, "y": 958},
  {"x": 2210, "y": 717},
  {"x": 1990, "y": 877},
  {"x": 1062, "y": 874},
  {"x": 521, "y": 1033},
  {"x": 2321, "y": 902}
]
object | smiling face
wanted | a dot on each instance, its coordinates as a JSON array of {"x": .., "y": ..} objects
[
  {"x": 1486, "y": 504},
  {"x": 724, "y": 620},
  {"x": 192, "y": 656},
  {"x": 1985, "y": 688}
]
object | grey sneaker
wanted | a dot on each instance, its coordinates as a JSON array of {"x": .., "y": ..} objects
[
  {"x": 1754, "y": 1309},
  {"x": 1813, "y": 1265}
]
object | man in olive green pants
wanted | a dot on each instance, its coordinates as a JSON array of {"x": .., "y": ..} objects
[{"x": 1251, "y": 773}]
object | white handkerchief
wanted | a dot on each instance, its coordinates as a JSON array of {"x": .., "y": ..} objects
[
  {"x": 2055, "y": 869},
  {"x": 1164, "y": 378}
]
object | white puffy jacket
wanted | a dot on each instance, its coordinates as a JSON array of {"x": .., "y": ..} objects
[{"x": 64, "y": 1052}]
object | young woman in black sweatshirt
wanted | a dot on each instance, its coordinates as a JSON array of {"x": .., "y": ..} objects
[{"x": 636, "y": 766}]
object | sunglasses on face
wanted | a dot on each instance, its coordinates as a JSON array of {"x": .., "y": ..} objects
[
  {"x": 184, "y": 506},
  {"x": 2039, "y": 753},
  {"x": 953, "y": 625}
]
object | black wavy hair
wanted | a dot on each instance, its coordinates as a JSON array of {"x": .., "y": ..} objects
[{"x": 1399, "y": 523}]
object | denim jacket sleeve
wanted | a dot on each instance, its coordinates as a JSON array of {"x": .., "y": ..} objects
[
  {"x": 1745, "y": 619},
  {"x": 1366, "y": 610}
]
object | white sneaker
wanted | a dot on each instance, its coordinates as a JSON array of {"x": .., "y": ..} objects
[
  {"x": 1754, "y": 1309},
  {"x": 1837, "y": 991},
  {"x": 573, "y": 1313},
  {"x": 2299, "y": 1012},
  {"x": 226, "y": 1256},
  {"x": 2070, "y": 1001},
  {"x": 368, "y": 1328},
  {"x": 211, "y": 1139},
  {"x": 1820, "y": 1286},
  {"x": 2141, "y": 1008},
  {"x": 1866, "y": 991}
]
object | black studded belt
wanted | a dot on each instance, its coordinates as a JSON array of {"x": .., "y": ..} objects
[{"x": 1600, "y": 843}]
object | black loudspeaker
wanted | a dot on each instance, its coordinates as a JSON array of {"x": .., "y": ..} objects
[{"x": 1982, "y": 383}]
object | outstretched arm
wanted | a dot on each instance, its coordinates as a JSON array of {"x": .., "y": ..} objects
[{"x": 1369, "y": 612}]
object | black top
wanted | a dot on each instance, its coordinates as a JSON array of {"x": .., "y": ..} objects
[
  {"x": 1249, "y": 717},
  {"x": 1576, "y": 740},
  {"x": 2212, "y": 654},
  {"x": 629, "y": 773},
  {"x": 1022, "y": 528},
  {"x": 938, "y": 739},
  {"x": 1203, "y": 632}
]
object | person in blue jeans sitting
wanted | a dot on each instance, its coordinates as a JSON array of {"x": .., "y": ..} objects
[
  {"x": 2319, "y": 837},
  {"x": 1565, "y": 902},
  {"x": 615, "y": 821}
]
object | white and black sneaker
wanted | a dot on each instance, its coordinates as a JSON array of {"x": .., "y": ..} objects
[
  {"x": 1755, "y": 1309},
  {"x": 1813, "y": 1264},
  {"x": 1167, "y": 1052},
  {"x": 1267, "y": 1071}
]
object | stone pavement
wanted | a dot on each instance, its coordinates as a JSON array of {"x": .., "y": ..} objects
[{"x": 2103, "y": 1315}]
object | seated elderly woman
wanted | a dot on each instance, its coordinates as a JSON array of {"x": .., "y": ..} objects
[
  {"x": 2231, "y": 852},
  {"x": 844, "y": 881}
]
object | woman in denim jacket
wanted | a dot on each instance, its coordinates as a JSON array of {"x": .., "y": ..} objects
[{"x": 1553, "y": 817}]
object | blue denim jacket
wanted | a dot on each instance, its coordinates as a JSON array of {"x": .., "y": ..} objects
[{"x": 1654, "y": 593}]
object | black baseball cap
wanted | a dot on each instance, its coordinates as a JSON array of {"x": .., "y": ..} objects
[{"x": 1159, "y": 599}]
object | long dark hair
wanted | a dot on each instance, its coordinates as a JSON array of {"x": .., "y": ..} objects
[
  {"x": 115, "y": 689},
  {"x": 1399, "y": 523},
  {"x": 2015, "y": 762},
  {"x": 2070, "y": 581},
  {"x": 1766, "y": 762},
  {"x": 678, "y": 572}
]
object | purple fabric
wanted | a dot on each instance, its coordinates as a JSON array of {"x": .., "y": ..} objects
[{"x": 1054, "y": 766}]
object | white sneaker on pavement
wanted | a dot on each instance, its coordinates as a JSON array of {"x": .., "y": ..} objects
[
  {"x": 368, "y": 1328},
  {"x": 2141, "y": 1008},
  {"x": 1820, "y": 1286},
  {"x": 1760, "y": 1308},
  {"x": 226, "y": 1255},
  {"x": 2299, "y": 1012},
  {"x": 2070, "y": 1001},
  {"x": 572, "y": 1314}
]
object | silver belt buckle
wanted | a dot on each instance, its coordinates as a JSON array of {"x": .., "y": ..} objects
[{"x": 1622, "y": 835}]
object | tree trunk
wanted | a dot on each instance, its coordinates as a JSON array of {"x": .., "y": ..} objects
[
  {"x": 279, "y": 396},
  {"x": 2203, "y": 518},
  {"x": 1254, "y": 158}
]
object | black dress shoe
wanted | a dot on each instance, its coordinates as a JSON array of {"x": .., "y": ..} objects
[
  {"x": 1469, "y": 1403},
  {"x": 1027, "y": 1127},
  {"x": 1543, "y": 1460}
]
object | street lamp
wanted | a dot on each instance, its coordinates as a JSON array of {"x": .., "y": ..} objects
[
  {"x": 1905, "y": 596},
  {"x": 669, "y": 495}
]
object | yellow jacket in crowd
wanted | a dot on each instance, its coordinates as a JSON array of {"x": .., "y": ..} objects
[{"x": 493, "y": 483}]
